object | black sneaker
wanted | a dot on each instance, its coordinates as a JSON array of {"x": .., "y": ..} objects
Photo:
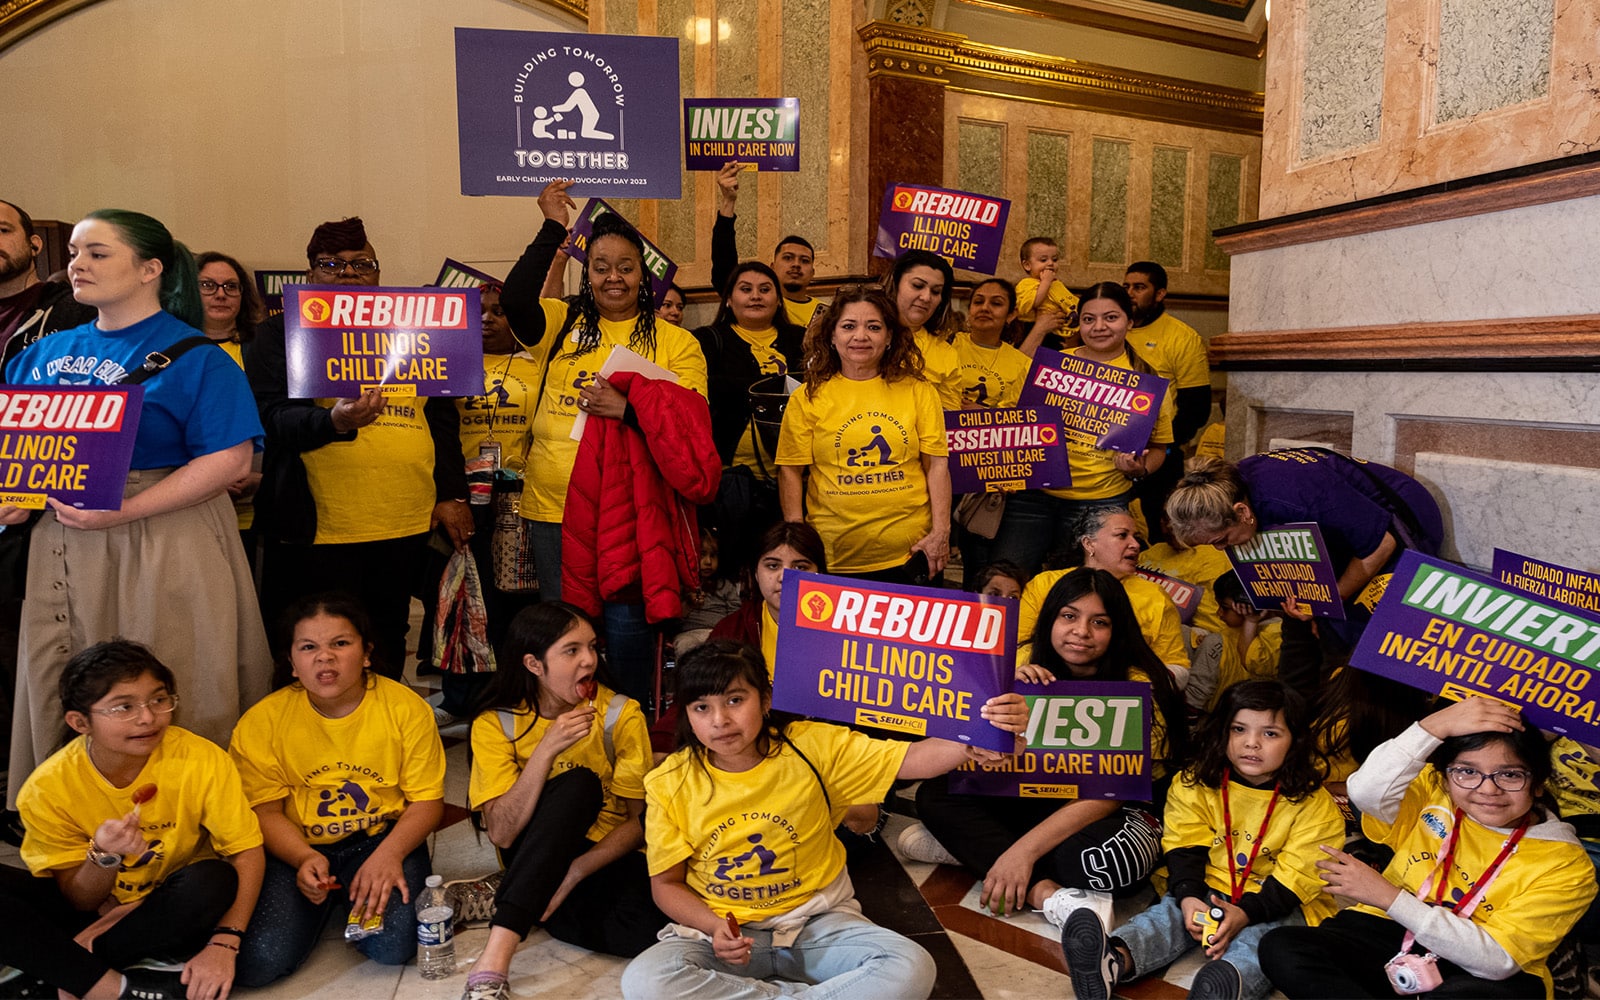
[
  {"x": 1217, "y": 980},
  {"x": 154, "y": 984},
  {"x": 1091, "y": 961}
]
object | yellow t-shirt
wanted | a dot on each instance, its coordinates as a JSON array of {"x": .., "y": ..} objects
[
  {"x": 244, "y": 507},
  {"x": 1198, "y": 566},
  {"x": 1539, "y": 895},
  {"x": 1213, "y": 441},
  {"x": 769, "y": 638},
  {"x": 199, "y": 811},
  {"x": 1174, "y": 350},
  {"x": 864, "y": 441},
  {"x": 381, "y": 484},
  {"x": 338, "y": 777},
  {"x": 1575, "y": 779},
  {"x": 1057, "y": 298},
  {"x": 1289, "y": 851},
  {"x": 770, "y": 362},
  {"x": 940, "y": 366},
  {"x": 504, "y": 410},
  {"x": 800, "y": 313},
  {"x": 1260, "y": 663},
  {"x": 991, "y": 376},
  {"x": 552, "y": 452},
  {"x": 758, "y": 843},
  {"x": 1158, "y": 616},
  {"x": 497, "y": 761},
  {"x": 1094, "y": 474}
]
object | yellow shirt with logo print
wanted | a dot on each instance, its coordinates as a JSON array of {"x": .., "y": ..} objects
[
  {"x": 940, "y": 366},
  {"x": 379, "y": 485},
  {"x": 990, "y": 376},
  {"x": 552, "y": 451},
  {"x": 504, "y": 412},
  {"x": 199, "y": 811},
  {"x": 339, "y": 777},
  {"x": 864, "y": 441}
]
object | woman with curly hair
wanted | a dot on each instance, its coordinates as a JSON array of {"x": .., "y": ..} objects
[
  {"x": 870, "y": 429},
  {"x": 613, "y": 308}
]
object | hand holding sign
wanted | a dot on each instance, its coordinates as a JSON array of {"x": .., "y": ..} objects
[
  {"x": 556, "y": 204},
  {"x": 353, "y": 414},
  {"x": 1474, "y": 714}
]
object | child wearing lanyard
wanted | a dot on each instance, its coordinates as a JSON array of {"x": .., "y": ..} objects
[
  {"x": 1484, "y": 884},
  {"x": 1249, "y": 814}
]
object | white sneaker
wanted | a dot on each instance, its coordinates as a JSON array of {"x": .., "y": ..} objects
[
  {"x": 1062, "y": 902},
  {"x": 918, "y": 843}
]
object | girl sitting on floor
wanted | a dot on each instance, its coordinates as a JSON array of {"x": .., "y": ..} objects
[
  {"x": 1485, "y": 880},
  {"x": 1242, "y": 829},
  {"x": 742, "y": 853},
  {"x": 345, "y": 770},
  {"x": 142, "y": 842}
]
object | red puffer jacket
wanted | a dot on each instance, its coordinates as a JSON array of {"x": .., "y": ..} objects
[{"x": 630, "y": 520}]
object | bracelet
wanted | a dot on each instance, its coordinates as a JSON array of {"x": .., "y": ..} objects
[
  {"x": 218, "y": 944},
  {"x": 236, "y": 932}
]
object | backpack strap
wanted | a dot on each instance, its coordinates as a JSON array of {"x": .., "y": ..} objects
[
  {"x": 619, "y": 702},
  {"x": 157, "y": 361}
]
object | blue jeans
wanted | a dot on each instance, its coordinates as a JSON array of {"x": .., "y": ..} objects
[
  {"x": 1035, "y": 525},
  {"x": 1157, "y": 937},
  {"x": 287, "y": 925},
  {"x": 844, "y": 955}
]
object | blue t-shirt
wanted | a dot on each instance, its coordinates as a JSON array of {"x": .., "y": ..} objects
[
  {"x": 199, "y": 405},
  {"x": 1339, "y": 495}
]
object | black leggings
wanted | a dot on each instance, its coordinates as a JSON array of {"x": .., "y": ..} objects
[
  {"x": 174, "y": 921},
  {"x": 1344, "y": 957},
  {"x": 610, "y": 911},
  {"x": 1107, "y": 855}
]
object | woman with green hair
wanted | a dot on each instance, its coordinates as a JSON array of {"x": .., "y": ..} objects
[{"x": 167, "y": 569}]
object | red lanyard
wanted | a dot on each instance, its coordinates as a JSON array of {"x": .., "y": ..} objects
[
  {"x": 1442, "y": 873},
  {"x": 1237, "y": 880}
]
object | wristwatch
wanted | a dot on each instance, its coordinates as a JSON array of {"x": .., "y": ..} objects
[{"x": 105, "y": 859}]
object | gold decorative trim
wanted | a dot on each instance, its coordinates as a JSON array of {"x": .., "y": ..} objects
[
  {"x": 1053, "y": 10},
  {"x": 953, "y": 60},
  {"x": 21, "y": 18},
  {"x": 1554, "y": 337}
]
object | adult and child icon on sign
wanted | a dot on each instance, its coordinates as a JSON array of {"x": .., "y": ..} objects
[{"x": 582, "y": 103}]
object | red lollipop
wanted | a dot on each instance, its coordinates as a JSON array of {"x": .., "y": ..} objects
[
  {"x": 587, "y": 689},
  {"x": 733, "y": 925},
  {"x": 141, "y": 795}
]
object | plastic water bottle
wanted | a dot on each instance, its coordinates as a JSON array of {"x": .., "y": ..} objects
[{"x": 436, "y": 931}]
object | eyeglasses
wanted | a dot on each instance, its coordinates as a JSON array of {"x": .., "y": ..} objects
[
  {"x": 209, "y": 287},
  {"x": 1470, "y": 778},
  {"x": 334, "y": 265},
  {"x": 161, "y": 704}
]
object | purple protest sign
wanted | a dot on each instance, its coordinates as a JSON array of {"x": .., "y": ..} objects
[
  {"x": 71, "y": 444},
  {"x": 1288, "y": 560},
  {"x": 598, "y": 110},
  {"x": 1101, "y": 405},
  {"x": 342, "y": 340},
  {"x": 1183, "y": 593},
  {"x": 964, "y": 228},
  {"x": 656, "y": 264},
  {"x": 1004, "y": 448},
  {"x": 1086, "y": 740},
  {"x": 1454, "y": 632},
  {"x": 1575, "y": 588},
  {"x": 454, "y": 274},
  {"x": 271, "y": 284},
  {"x": 762, "y": 133},
  {"x": 917, "y": 660}
]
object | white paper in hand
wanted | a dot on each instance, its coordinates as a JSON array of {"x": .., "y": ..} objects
[{"x": 623, "y": 360}]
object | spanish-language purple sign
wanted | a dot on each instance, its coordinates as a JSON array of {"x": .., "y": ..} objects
[
  {"x": 762, "y": 133},
  {"x": 1288, "y": 560},
  {"x": 342, "y": 340},
  {"x": 74, "y": 444},
  {"x": 962, "y": 227},
  {"x": 1454, "y": 632},
  {"x": 657, "y": 264},
  {"x": 598, "y": 110},
  {"x": 1575, "y": 588},
  {"x": 1101, "y": 405},
  {"x": 454, "y": 274},
  {"x": 1086, "y": 740},
  {"x": 917, "y": 660},
  {"x": 1183, "y": 593},
  {"x": 271, "y": 283},
  {"x": 1004, "y": 448}
]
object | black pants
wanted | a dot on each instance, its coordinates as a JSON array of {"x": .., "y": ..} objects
[
  {"x": 1344, "y": 957},
  {"x": 174, "y": 921},
  {"x": 1107, "y": 855},
  {"x": 610, "y": 911},
  {"x": 381, "y": 575}
]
